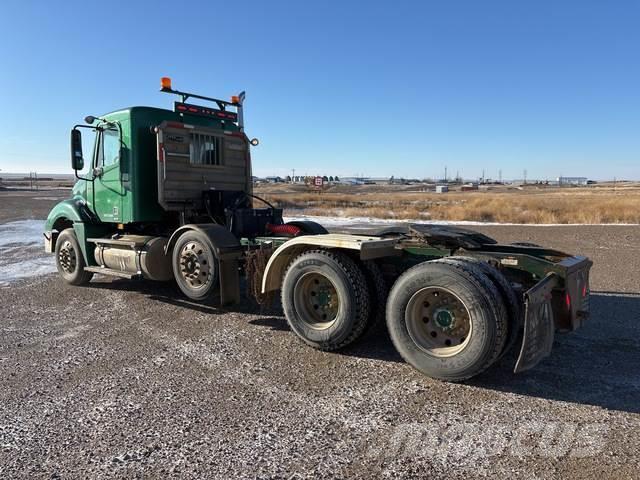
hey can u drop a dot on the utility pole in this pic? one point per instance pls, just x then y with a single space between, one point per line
445 174
500 176
482 176
293 175
525 176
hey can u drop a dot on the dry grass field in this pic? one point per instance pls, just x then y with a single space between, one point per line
532 204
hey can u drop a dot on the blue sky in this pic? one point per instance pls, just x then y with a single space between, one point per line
373 88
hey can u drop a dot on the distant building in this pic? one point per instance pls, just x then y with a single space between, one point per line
274 180
442 188
572 181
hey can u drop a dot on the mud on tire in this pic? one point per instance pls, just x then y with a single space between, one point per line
325 299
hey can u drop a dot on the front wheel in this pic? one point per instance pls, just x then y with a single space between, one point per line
442 321
69 259
194 265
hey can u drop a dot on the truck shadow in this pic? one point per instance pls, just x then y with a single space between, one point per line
169 293
597 365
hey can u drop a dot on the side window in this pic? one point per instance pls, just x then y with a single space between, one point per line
205 150
110 153
90 149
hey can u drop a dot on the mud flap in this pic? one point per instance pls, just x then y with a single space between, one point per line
229 281
539 326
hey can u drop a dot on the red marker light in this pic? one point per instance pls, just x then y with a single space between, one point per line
567 301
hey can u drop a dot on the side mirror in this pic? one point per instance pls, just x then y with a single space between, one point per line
77 162
254 141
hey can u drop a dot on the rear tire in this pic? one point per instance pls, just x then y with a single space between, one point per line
443 322
504 298
378 293
195 266
69 259
325 299
515 308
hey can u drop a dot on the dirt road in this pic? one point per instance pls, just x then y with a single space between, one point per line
129 379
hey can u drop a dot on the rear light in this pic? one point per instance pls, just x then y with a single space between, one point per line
161 152
567 300
585 290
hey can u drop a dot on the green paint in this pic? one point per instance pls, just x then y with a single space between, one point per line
444 319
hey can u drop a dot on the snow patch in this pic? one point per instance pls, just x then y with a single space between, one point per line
22 253
355 222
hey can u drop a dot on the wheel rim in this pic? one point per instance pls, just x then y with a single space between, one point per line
316 301
195 265
438 322
67 258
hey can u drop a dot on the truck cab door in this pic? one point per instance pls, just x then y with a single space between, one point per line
108 192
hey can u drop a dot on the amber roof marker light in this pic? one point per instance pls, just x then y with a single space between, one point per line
165 83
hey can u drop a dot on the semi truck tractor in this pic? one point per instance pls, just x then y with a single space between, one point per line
166 195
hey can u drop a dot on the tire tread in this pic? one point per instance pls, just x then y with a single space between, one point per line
359 291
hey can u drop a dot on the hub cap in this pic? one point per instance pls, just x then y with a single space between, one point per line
195 267
67 257
438 322
316 300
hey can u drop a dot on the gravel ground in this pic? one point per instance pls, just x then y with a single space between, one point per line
123 379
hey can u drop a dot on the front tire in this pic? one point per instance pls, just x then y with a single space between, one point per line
325 299
442 321
69 259
195 265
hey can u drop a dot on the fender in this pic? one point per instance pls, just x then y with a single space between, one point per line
367 247
222 241
227 250
71 213
73 210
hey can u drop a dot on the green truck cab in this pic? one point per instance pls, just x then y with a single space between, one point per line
167 196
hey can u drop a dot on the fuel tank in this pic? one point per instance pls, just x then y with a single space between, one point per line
137 254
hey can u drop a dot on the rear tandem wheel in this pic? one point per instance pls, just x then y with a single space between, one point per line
325 299
443 320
